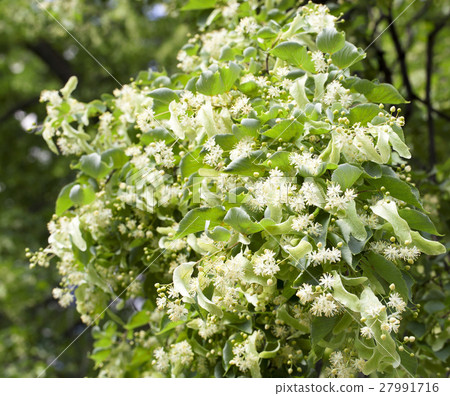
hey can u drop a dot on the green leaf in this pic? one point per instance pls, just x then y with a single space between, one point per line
418 221
137 320
181 278
219 234
352 224
299 251
63 202
426 246
346 175
434 306
378 92
389 272
388 212
347 56
363 113
82 195
247 127
398 189
372 169
285 130
164 95
284 315
280 160
329 40
246 166
270 353
297 91
240 220
199 5
114 158
218 82
321 327
295 54
347 299
207 304
70 86
191 163
343 324
92 165
195 220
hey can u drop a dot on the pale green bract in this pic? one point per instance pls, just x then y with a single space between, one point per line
243 214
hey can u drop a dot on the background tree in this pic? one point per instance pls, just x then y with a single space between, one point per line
128 36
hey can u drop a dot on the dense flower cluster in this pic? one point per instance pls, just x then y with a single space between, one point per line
247 215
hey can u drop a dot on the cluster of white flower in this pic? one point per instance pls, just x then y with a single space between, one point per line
241 107
325 255
344 366
335 200
247 25
180 354
394 252
145 119
305 224
305 161
324 304
162 154
265 264
243 357
242 149
318 17
215 152
320 64
336 92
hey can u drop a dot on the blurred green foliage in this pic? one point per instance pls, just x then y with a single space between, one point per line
126 36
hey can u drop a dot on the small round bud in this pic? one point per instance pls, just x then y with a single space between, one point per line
383 336
401 348
392 287
392 239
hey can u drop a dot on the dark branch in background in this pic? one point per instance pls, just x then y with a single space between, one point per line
401 54
428 89
57 64
20 106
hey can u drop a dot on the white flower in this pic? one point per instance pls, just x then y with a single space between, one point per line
323 255
162 359
305 293
162 154
242 149
300 223
327 281
247 25
181 352
396 302
392 253
367 332
144 119
215 153
241 107
265 264
323 305
305 161
319 62
177 312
